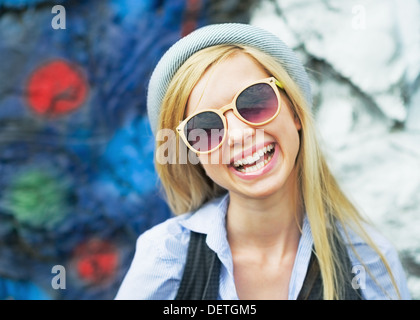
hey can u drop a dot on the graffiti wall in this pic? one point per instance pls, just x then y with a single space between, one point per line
77 182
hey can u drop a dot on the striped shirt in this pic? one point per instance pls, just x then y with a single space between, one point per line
159 260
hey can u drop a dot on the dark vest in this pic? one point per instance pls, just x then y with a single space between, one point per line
200 280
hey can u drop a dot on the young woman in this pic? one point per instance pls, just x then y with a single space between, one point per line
260 215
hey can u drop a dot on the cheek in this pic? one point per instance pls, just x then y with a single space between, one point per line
293 144
213 172
217 157
287 135
213 168
295 140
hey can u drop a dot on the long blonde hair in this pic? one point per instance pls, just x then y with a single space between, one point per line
187 187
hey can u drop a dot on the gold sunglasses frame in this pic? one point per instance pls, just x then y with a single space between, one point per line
273 82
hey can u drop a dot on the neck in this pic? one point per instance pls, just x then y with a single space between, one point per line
268 223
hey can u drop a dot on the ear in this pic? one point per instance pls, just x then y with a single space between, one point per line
297 122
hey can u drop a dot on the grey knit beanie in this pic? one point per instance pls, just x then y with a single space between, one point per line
215 34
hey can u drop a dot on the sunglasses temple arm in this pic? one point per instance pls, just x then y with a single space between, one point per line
278 83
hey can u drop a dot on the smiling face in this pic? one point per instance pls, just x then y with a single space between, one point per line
254 162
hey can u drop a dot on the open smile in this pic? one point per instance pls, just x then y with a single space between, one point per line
260 162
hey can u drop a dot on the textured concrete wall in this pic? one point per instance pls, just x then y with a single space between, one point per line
363 58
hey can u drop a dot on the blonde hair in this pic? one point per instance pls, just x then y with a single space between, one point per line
187 187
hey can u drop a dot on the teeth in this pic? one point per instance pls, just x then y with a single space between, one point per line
254 158
256 167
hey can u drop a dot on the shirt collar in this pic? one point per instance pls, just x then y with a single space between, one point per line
210 219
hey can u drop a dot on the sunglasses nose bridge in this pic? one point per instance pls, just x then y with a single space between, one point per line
231 107
227 107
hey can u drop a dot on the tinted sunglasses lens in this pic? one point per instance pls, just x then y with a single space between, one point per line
204 131
257 103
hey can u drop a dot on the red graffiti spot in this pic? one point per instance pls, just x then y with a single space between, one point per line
96 261
191 15
56 88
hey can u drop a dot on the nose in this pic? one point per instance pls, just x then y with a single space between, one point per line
238 131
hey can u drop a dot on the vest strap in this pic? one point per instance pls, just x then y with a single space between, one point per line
200 280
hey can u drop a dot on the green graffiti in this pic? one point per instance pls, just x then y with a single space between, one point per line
38 199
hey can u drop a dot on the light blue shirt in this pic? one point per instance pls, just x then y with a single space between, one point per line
158 264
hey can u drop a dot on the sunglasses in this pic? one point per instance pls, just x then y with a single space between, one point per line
256 104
